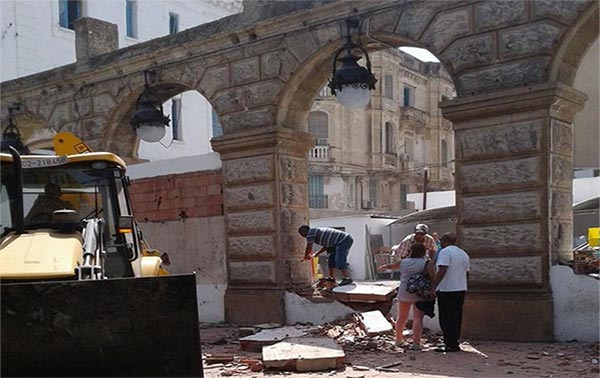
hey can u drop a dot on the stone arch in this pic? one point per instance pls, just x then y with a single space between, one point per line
574 45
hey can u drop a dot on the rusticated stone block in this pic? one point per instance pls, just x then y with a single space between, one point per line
192 73
263 93
250 222
446 28
501 76
528 40
562 171
92 128
229 100
562 204
499 140
251 169
470 52
564 10
561 234
502 207
292 244
61 114
415 17
82 107
245 71
302 45
506 270
255 272
292 219
214 78
494 14
328 34
295 170
294 194
384 22
297 272
250 196
251 246
280 63
103 104
562 137
518 172
248 119
500 238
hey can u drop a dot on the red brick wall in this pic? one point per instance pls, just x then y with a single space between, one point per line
177 196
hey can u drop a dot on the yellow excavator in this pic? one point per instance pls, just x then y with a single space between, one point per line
82 294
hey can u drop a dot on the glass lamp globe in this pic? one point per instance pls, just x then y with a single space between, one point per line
355 96
151 132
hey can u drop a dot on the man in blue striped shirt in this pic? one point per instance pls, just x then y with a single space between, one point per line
329 238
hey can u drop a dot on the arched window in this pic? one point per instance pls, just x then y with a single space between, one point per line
390 146
317 126
444 153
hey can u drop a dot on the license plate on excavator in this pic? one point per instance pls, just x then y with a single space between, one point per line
115 327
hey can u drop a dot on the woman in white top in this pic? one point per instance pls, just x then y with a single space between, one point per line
415 262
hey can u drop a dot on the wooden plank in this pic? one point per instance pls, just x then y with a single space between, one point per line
374 323
304 354
254 343
363 293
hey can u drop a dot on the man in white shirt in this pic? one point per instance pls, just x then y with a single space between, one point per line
450 287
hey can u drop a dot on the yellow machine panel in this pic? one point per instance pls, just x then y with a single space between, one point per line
40 254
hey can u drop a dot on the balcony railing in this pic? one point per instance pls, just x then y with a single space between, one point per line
413 114
319 153
318 201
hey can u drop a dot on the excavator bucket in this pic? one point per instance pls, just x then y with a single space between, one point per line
118 327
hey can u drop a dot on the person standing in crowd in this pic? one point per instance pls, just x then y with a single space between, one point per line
327 238
420 236
416 262
438 245
450 287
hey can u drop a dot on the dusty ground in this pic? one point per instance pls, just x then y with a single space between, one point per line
478 359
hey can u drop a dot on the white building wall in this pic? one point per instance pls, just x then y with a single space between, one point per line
33 41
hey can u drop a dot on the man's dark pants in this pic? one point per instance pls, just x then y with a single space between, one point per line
450 304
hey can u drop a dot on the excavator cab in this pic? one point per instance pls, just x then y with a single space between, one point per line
81 294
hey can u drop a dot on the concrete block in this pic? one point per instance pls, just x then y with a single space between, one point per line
252 169
360 292
374 323
293 169
266 337
280 63
294 194
561 137
263 93
229 100
304 354
562 204
291 219
302 310
561 171
214 78
563 10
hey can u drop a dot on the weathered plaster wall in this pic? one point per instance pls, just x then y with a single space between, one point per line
576 305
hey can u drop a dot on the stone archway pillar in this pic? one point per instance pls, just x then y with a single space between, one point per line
513 154
265 175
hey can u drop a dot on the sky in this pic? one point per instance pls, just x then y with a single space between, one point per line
421 54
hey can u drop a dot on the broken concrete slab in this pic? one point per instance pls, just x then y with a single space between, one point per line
302 310
374 323
364 293
254 343
304 354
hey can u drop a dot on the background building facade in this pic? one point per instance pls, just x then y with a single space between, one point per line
38 35
367 160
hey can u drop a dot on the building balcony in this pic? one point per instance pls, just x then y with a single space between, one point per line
319 153
318 201
413 115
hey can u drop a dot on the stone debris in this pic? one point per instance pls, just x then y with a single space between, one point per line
304 354
374 323
234 364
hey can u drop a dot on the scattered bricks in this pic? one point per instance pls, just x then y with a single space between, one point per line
218 358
